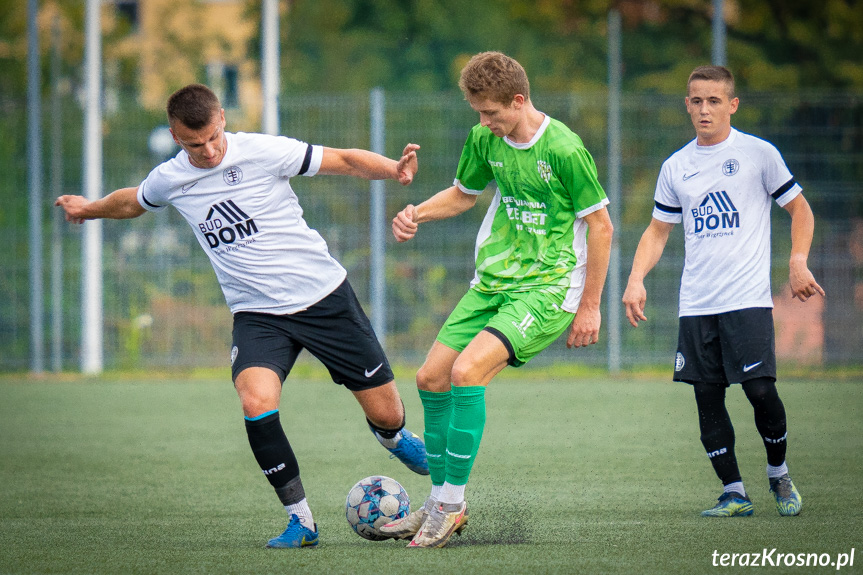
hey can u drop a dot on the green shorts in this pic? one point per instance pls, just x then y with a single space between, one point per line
530 321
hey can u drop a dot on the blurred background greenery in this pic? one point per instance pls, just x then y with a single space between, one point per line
799 73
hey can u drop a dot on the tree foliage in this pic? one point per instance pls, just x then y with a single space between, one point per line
336 45
347 45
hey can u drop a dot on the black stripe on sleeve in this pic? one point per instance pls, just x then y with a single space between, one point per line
146 201
783 188
668 209
306 161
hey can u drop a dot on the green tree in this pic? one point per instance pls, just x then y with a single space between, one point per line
337 45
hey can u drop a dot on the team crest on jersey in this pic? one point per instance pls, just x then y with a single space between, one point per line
233 175
544 170
730 167
679 362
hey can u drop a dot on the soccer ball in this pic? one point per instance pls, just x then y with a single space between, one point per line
373 502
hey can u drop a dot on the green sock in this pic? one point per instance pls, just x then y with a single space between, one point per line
465 432
437 408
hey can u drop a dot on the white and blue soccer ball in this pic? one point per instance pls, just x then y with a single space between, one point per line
374 502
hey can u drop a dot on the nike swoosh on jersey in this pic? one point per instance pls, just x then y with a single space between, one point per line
751 366
374 371
687 176
187 187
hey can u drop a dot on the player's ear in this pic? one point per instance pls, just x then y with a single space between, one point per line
734 103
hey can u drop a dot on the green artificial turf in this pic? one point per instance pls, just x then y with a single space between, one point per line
574 475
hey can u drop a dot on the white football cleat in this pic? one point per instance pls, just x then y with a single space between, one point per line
407 526
442 521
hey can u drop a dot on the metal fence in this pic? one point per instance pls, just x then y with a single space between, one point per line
163 306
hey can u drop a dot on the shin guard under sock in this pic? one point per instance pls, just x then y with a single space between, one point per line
717 433
275 456
465 432
769 417
437 409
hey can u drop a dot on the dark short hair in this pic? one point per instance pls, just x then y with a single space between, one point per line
193 106
495 76
715 74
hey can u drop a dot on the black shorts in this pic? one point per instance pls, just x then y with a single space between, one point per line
335 330
726 348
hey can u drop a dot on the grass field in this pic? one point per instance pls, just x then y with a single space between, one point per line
575 475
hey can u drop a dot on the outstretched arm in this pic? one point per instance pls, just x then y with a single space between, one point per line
803 284
445 204
118 205
649 250
584 330
369 165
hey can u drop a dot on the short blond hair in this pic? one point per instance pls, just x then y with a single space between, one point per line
495 76
714 74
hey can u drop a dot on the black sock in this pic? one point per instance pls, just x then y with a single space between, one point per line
769 417
275 456
717 433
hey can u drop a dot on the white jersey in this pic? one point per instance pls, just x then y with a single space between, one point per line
248 220
722 194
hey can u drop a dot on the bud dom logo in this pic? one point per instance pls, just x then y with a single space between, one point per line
717 210
239 225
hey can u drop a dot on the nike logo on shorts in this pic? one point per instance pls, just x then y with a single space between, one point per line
751 366
374 371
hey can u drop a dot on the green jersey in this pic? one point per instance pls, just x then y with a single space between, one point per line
533 235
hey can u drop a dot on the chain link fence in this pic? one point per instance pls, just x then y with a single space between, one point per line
164 308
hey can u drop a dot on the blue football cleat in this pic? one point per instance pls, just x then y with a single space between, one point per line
788 500
296 535
730 505
411 451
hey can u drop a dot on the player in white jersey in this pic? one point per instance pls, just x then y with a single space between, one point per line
721 186
286 292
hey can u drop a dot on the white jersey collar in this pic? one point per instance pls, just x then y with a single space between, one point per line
536 137
716 147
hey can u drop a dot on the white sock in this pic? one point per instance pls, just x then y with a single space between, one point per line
435 492
301 509
774 472
389 443
736 487
451 493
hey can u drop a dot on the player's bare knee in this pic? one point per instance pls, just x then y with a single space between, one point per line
382 406
430 378
465 373
254 408
385 415
259 390
255 401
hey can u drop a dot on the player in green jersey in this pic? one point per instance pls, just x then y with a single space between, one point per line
538 272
